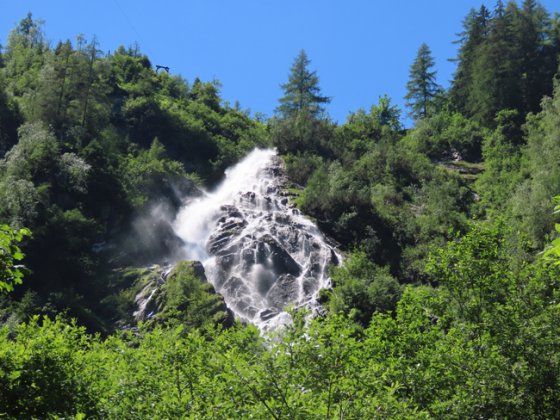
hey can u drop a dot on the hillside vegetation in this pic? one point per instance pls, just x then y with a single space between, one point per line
447 304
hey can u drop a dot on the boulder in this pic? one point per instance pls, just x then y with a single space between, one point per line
284 291
282 262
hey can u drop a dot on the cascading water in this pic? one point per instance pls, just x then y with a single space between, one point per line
259 252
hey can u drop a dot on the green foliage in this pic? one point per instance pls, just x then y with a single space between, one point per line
481 341
339 201
34 157
475 31
300 167
386 202
24 55
502 163
448 136
507 60
10 118
552 252
74 173
206 94
72 92
362 130
11 273
42 370
89 142
302 92
531 206
495 356
20 198
301 133
300 125
148 172
190 300
502 308
422 89
362 288
473 271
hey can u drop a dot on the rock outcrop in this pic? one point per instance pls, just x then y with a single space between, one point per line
260 253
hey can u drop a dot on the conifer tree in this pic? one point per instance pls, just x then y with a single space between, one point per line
539 59
301 124
422 87
52 98
506 60
474 34
495 70
302 92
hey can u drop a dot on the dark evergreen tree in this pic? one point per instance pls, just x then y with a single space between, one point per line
538 57
53 95
92 106
506 61
422 87
495 70
302 92
301 126
475 33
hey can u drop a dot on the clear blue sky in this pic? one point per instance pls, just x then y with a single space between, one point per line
361 49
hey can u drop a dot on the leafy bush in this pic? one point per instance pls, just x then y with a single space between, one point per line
361 288
11 273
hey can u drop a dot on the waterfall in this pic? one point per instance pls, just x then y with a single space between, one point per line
258 251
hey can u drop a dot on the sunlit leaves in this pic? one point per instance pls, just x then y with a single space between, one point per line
11 271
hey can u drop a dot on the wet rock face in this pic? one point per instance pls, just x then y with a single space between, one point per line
262 255
285 289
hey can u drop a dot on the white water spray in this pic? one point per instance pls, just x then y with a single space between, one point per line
258 251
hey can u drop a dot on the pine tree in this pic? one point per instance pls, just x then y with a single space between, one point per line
52 100
302 92
506 60
496 80
301 124
539 60
474 34
422 87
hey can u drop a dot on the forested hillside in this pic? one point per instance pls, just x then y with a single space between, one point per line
446 303
91 144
